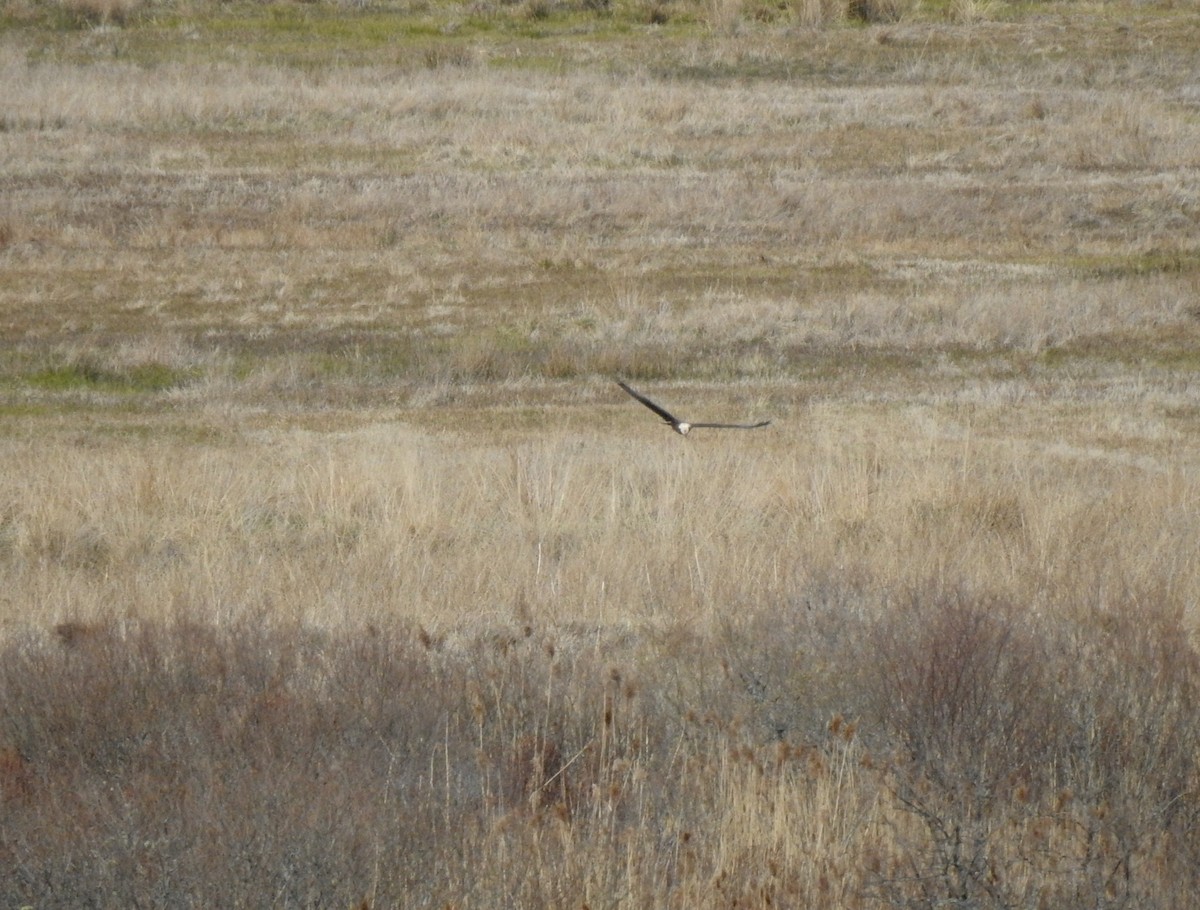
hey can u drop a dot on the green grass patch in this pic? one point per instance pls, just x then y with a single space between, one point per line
22 410
309 36
1137 265
143 378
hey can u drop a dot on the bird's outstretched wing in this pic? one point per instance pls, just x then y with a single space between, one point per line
681 426
657 409
733 426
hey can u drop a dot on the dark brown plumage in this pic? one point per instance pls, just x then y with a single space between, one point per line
682 427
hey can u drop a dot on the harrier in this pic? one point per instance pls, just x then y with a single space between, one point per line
682 426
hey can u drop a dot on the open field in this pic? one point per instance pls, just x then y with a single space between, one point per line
335 570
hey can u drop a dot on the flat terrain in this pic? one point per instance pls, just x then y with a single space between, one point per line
319 503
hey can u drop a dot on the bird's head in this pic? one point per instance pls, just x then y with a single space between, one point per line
682 427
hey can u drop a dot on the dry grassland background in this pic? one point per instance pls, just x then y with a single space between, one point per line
336 571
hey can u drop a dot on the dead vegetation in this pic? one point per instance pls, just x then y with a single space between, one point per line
986 756
337 571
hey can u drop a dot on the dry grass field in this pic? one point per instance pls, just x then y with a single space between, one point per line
336 571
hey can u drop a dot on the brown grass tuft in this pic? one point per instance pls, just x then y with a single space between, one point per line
102 12
877 11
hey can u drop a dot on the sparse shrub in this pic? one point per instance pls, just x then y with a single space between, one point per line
967 11
1012 735
961 694
724 16
818 13
101 12
876 11
539 9
658 13
959 682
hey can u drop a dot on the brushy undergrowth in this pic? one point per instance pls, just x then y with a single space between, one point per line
947 750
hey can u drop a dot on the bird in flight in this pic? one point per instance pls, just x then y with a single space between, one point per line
682 426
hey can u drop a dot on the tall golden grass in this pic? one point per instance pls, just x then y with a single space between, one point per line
585 526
